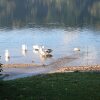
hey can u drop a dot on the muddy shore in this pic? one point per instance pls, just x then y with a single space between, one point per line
14 71
19 65
59 69
87 68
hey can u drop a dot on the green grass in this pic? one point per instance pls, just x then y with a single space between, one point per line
65 86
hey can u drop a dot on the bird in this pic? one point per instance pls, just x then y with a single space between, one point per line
37 47
42 50
76 49
7 55
48 50
45 52
24 47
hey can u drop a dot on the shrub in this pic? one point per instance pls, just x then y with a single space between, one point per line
1 67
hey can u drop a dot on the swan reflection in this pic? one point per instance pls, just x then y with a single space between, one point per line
45 58
7 59
24 52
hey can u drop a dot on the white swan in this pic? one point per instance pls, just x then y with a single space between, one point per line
24 52
37 47
76 49
7 55
24 47
48 50
44 52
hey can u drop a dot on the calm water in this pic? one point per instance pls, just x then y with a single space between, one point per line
60 25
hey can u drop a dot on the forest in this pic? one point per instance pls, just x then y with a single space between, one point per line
19 13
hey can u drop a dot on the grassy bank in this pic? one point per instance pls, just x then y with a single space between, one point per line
65 86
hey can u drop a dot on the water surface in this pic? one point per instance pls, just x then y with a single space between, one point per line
61 25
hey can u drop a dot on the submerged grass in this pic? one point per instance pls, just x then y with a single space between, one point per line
59 86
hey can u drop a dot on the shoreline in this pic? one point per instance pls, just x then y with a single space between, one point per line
86 68
19 65
59 69
15 71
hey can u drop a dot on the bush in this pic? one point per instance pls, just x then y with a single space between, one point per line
1 67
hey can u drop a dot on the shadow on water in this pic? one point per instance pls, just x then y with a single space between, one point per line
61 62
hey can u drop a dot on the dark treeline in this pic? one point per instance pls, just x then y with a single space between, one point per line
18 13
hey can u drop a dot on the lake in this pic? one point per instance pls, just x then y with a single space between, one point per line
61 25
